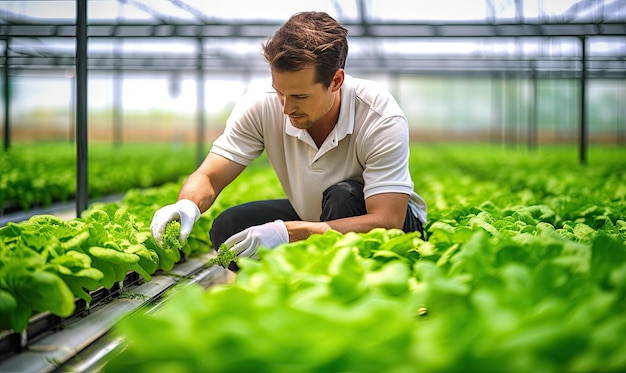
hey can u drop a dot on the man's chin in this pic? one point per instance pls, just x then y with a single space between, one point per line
300 123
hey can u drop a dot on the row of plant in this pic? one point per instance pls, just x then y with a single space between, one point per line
386 301
38 175
46 263
524 270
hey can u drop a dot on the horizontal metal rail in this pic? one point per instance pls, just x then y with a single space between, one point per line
233 29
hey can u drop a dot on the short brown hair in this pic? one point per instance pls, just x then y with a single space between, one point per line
309 38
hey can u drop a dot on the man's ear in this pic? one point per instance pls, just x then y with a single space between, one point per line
337 81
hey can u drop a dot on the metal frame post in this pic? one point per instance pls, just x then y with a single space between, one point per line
7 97
200 121
584 133
82 186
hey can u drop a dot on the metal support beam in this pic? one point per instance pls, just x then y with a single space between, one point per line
200 122
7 97
621 115
72 106
16 27
495 94
82 185
533 116
118 93
584 133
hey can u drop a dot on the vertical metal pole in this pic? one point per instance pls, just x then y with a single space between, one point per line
512 115
81 107
621 127
516 123
7 98
118 81
494 116
72 114
519 10
117 107
200 122
505 117
532 113
583 141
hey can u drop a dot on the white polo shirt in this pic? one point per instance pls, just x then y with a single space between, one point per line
369 144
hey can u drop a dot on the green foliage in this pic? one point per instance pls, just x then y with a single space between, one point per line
224 257
169 252
494 305
47 262
171 236
30 177
523 270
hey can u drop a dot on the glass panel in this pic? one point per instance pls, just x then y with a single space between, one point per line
198 11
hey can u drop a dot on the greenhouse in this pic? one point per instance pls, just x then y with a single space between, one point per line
150 219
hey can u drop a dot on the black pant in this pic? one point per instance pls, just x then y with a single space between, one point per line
341 200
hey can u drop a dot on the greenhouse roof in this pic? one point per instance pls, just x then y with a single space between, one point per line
445 36
351 11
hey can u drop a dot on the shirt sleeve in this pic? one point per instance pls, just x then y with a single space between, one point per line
385 151
242 139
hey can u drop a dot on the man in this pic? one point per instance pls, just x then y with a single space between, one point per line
339 145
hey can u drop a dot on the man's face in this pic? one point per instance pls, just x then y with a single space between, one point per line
303 100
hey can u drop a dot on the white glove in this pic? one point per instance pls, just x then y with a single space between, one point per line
247 242
184 210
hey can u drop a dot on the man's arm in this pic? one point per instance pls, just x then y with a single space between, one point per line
196 196
204 185
386 210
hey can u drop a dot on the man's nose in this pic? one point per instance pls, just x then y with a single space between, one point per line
288 106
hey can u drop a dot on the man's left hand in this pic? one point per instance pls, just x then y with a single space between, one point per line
247 242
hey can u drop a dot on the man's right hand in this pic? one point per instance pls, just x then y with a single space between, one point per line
184 210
